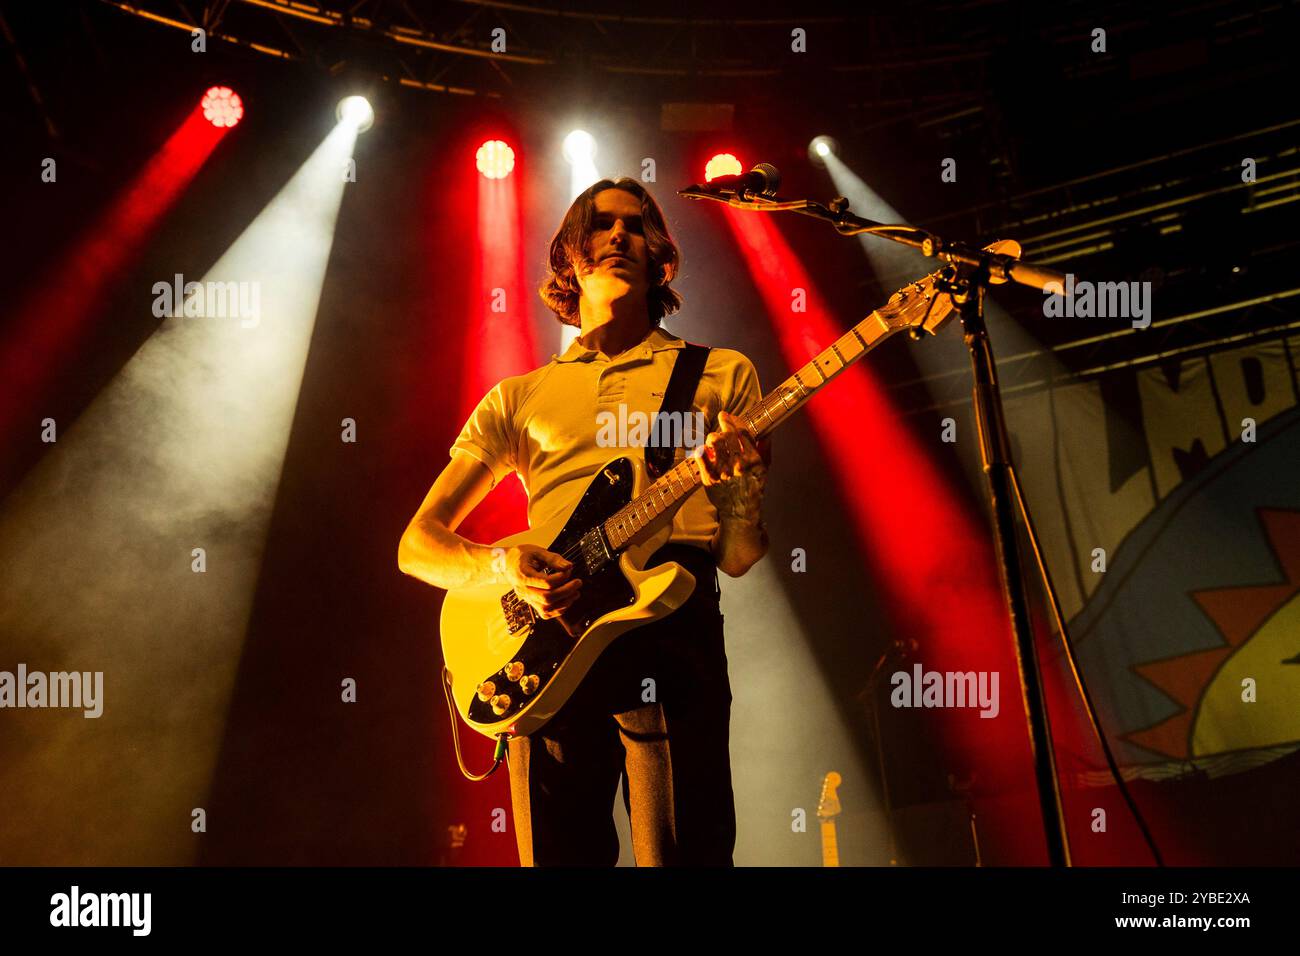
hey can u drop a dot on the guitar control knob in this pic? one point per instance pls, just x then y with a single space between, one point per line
486 690
515 670
529 684
500 704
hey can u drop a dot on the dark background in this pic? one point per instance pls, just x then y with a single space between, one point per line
1010 90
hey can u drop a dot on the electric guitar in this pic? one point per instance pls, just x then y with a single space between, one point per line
828 808
509 669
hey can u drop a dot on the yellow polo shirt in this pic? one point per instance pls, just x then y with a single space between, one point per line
547 425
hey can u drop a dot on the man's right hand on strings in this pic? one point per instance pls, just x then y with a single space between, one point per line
541 578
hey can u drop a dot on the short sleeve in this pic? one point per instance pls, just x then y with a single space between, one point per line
487 435
745 393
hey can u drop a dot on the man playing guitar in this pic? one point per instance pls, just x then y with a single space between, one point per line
655 707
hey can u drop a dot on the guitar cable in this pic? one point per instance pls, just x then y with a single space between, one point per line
498 755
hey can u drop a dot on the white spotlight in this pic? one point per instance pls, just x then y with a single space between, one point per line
579 147
580 151
822 147
357 111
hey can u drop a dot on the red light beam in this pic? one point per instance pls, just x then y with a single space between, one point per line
942 584
48 324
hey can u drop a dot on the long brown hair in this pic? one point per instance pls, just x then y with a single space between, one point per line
560 291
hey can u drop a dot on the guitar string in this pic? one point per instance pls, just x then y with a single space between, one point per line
765 406
649 496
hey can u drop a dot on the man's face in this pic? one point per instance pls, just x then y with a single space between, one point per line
617 247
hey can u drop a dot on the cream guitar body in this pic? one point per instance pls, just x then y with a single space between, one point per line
510 669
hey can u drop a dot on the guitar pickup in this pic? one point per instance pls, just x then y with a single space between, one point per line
594 550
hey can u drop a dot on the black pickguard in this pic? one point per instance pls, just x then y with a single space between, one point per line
604 589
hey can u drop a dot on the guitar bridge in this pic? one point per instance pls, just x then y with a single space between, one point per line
518 613
593 554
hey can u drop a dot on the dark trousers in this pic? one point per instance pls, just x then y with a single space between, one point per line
673 750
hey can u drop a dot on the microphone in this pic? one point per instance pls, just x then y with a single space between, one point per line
763 179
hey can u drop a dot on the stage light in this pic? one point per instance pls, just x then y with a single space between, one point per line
205 407
580 153
723 164
357 111
500 338
46 327
495 159
820 148
222 106
579 147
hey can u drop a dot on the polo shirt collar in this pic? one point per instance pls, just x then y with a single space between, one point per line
657 340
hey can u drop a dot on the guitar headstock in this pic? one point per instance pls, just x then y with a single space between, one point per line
921 306
829 804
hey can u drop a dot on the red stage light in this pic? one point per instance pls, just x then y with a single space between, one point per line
57 315
723 164
495 159
222 106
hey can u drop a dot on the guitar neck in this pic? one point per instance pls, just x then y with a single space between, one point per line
776 407
830 846
781 402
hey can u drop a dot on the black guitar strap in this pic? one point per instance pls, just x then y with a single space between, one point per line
688 367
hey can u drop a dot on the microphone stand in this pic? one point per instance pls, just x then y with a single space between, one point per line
973 270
